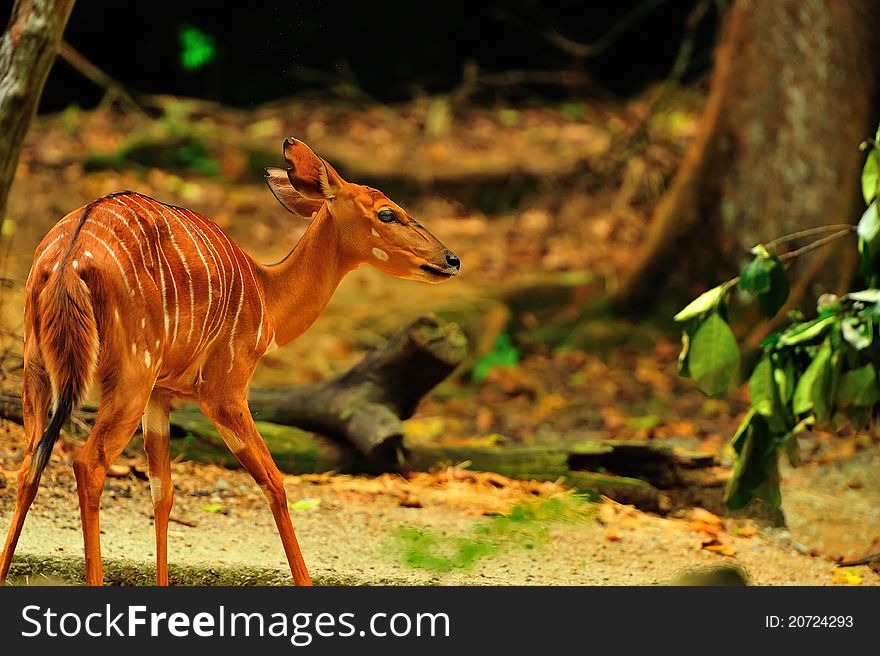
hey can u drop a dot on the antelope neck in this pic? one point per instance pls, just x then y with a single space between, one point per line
299 287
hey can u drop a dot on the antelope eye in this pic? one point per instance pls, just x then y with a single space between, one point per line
387 216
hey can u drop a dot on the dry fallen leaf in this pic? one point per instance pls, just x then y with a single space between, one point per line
704 527
846 576
613 535
703 515
722 549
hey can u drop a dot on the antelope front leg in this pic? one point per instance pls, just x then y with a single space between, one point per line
235 424
156 444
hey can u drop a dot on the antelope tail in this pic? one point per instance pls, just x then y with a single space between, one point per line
68 336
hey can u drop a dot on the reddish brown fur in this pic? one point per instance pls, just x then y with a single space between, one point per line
157 303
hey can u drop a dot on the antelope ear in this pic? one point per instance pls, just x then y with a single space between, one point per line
290 198
311 176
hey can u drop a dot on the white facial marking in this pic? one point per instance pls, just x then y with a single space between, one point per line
379 254
75 265
374 233
88 254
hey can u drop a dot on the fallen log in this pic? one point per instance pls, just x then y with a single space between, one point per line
363 408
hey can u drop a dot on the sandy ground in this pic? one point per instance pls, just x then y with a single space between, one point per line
347 531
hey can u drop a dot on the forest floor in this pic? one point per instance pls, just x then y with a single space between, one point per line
533 200
442 528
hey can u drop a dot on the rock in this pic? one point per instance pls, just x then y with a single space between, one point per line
410 501
222 485
726 575
119 471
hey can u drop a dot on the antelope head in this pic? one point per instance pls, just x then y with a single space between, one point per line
372 228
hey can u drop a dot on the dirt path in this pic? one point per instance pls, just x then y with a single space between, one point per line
349 531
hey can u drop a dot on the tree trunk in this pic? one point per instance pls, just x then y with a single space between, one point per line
792 96
27 51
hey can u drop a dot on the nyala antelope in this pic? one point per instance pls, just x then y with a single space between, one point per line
156 302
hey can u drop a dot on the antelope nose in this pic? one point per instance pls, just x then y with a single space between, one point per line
452 260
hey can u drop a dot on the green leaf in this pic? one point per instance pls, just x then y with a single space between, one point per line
683 366
705 302
714 356
756 470
755 276
762 388
870 175
858 387
765 278
856 333
865 296
736 442
790 442
805 391
213 508
869 224
783 376
771 301
805 332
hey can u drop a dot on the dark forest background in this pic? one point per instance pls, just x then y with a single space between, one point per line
389 50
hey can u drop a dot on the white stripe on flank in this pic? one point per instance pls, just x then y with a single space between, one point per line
161 251
113 255
137 240
210 231
128 254
183 222
154 242
183 262
209 334
237 315
259 291
136 222
46 250
162 291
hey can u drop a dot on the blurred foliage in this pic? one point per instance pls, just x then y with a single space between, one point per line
503 354
820 371
196 48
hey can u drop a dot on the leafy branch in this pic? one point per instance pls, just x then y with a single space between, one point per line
821 371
